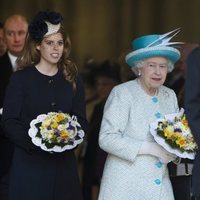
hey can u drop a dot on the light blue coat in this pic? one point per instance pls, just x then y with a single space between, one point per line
125 126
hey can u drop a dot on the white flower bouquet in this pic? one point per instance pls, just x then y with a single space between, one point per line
56 132
173 133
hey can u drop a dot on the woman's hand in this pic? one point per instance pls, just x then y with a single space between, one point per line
156 150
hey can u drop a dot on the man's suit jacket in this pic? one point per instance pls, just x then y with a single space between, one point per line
192 108
6 148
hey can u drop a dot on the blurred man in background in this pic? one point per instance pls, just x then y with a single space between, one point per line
2 41
15 31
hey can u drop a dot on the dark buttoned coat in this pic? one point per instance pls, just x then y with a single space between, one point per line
37 174
6 147
192 106
5 73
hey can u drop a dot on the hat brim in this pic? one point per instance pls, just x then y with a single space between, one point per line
168 52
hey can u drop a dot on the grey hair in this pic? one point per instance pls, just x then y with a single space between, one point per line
140 63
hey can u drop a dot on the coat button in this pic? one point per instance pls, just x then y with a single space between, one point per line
159 164
157 181
158 115
155 99
53 104
50 81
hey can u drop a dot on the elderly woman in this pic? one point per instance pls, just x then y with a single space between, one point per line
136 166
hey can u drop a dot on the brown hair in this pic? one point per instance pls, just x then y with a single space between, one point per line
31 56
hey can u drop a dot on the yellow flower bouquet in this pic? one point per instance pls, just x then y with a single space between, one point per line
173 133
56 132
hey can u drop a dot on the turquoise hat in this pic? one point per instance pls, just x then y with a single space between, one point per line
152 46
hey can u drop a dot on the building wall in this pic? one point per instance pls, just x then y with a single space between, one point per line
104 29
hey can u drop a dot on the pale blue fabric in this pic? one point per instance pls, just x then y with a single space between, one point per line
125 126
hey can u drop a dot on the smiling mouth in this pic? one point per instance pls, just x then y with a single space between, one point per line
55 55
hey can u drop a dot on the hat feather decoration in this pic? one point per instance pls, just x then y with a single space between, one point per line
154 45
164 39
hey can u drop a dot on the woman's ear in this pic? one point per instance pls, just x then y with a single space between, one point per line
139 72
38 47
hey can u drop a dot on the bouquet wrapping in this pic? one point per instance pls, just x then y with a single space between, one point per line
173 134
1 111
56 132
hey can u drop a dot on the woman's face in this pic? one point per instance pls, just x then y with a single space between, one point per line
153 73
51 48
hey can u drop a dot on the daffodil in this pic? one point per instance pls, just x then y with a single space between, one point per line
177 133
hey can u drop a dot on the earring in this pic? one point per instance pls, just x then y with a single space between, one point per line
139 73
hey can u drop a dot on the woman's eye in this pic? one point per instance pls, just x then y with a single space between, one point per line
50 43
60 43
163 66
152 65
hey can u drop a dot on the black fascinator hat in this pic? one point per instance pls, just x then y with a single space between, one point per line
44 24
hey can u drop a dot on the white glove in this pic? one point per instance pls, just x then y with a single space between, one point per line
156 150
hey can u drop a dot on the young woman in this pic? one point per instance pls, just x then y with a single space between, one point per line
46 82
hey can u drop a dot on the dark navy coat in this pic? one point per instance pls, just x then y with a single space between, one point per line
37 174
6 147
192 106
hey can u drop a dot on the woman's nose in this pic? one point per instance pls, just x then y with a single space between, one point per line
55 46
157 69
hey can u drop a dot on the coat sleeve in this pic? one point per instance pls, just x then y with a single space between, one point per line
79 108
175 102
11 120
115 119
192 93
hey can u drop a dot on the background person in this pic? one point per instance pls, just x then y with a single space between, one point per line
3 46
15 31
106 77
192 108
176 79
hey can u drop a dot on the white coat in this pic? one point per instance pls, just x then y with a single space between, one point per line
125 126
